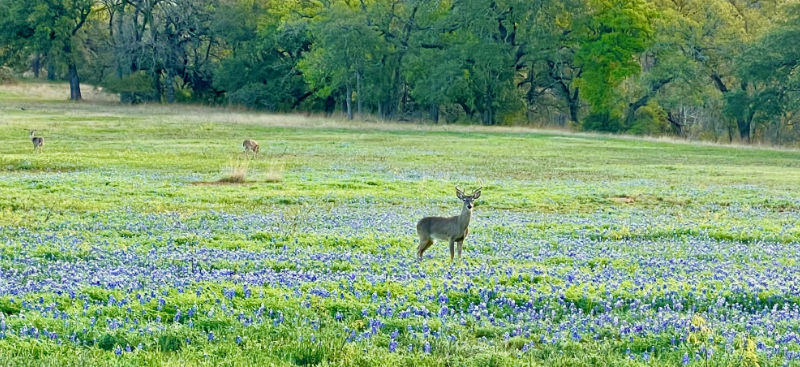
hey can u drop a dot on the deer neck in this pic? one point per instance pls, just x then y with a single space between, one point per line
463 219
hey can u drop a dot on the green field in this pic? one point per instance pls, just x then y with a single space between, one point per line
118 245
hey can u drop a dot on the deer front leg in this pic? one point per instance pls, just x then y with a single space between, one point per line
460 246
452 249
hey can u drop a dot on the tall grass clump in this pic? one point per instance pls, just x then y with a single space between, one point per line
236 171
274 171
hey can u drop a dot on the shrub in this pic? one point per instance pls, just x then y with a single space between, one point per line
6 75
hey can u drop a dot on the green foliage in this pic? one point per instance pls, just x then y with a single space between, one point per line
6 75
692 68
170 343
772 72
650 120
615 32
135 83
261 71
108 342
602 121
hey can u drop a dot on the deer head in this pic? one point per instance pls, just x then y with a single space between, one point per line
468 199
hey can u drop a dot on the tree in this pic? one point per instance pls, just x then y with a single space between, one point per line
670 75
772 73
547 59
482 51
721 31
265 48
613 34
50 26
344 51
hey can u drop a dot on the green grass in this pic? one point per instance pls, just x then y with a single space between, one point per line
575 204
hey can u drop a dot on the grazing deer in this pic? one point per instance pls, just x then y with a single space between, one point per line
452 229
38 141
250 145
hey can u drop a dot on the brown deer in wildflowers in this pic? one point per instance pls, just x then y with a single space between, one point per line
452 229
38 141
250 145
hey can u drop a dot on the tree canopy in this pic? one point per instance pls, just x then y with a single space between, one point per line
710 69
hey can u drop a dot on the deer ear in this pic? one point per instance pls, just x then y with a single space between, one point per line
459 193
476 194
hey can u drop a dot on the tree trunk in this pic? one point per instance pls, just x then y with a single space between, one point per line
434 111
157 88
358 94
573 101
349 101
573 110
37 65
51 71
744 129
742 123
123 63
489 114
730 133
170 84
330 106
676 123
74 83
745 125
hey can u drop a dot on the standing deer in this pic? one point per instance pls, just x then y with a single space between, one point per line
38 141
250 145
452 229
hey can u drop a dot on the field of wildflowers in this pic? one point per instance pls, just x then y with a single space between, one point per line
118 245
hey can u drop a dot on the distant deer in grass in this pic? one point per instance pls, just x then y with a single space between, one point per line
250 145
452 229
38 141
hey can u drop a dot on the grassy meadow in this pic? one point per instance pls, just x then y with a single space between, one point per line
121 245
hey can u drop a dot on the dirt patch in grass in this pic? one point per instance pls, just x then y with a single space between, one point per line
623 199
220 182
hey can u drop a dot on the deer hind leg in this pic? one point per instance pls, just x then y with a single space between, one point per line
424 243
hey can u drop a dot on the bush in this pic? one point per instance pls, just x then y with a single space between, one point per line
650 120
6 75
253 95
451 113
602 121
135 88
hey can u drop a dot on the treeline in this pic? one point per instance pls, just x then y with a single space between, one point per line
709 69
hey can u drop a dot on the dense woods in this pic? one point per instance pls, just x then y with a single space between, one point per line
721 70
